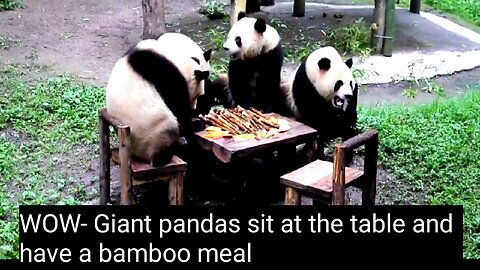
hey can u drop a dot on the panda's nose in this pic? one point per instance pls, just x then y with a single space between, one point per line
348 96
225 48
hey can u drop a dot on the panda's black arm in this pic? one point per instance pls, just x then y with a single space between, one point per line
269 85
239 83
351 114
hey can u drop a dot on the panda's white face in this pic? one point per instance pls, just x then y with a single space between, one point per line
343 94
249 37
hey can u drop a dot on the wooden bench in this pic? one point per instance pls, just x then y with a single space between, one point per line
326 181
134 172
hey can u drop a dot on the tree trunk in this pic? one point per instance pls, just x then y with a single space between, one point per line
378 26
153 18
415 6
235 7
299 8
267 3
252 6
390 26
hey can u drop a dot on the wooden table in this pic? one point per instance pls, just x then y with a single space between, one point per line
226 150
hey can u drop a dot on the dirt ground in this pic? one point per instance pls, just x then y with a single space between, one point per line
86 37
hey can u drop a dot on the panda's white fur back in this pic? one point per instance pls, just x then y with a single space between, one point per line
173 41
286 89
324 81
184 63
174 44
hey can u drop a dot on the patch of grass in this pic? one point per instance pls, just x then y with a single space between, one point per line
6 43
10 4
435 148
214 9
38 124
468 10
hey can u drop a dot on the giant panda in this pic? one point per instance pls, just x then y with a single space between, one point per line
322 93
254 69
153 91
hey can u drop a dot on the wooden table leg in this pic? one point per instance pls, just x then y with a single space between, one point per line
175 189
287 156
292 197
104 177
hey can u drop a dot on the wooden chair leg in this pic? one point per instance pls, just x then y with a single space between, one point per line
105 155
126 192
369 189
175 189
292 197
338 195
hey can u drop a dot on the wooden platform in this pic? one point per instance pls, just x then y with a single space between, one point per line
143 170
316 177
225 149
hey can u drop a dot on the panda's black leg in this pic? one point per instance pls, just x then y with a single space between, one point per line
163 158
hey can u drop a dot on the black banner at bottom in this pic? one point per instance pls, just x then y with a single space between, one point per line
243 236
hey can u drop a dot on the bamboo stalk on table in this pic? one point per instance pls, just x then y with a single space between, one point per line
232 122
222 120
257 120
238 122
215 122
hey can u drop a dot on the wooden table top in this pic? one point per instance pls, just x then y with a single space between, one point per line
225 149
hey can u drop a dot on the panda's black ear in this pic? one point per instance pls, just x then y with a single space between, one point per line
241 15
324 64
349 62
207 54
260 25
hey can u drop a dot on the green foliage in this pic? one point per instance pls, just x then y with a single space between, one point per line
353 39
214 9
468 10
39 123
277 23
10 4
217 35
218 68
436 149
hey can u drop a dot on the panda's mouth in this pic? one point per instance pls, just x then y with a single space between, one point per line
234 56
338 102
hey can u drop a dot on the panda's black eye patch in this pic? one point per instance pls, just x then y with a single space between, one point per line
238 41
338 84
201 75
196 60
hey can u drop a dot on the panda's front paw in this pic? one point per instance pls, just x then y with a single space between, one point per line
198 125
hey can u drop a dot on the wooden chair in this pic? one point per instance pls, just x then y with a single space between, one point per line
326 181
133 172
